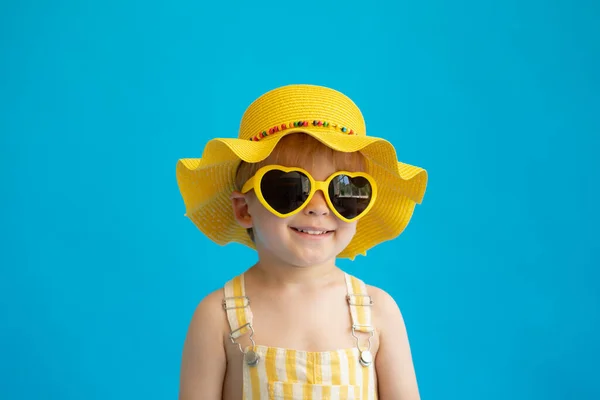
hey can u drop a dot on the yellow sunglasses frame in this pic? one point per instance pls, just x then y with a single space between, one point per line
323 186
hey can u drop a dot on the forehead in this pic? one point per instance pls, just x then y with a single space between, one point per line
301 150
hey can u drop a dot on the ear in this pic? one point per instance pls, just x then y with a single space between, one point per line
240 210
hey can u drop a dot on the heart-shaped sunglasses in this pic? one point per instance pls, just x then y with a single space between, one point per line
285 191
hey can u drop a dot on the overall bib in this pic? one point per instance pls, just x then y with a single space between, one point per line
271 373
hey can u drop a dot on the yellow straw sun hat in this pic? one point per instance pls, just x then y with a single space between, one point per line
330 117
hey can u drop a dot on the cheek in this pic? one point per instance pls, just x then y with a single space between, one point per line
348 228
269 230
261 217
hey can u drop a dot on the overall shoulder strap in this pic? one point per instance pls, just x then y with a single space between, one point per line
237 306
360 304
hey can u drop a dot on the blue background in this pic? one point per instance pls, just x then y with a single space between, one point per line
497 274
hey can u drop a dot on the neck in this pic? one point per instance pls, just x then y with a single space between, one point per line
281 275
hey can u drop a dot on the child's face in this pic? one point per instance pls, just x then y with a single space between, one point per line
281 240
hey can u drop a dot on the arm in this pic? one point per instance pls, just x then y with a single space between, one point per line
203 361
395 371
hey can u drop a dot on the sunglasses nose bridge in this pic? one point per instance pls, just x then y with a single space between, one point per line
318 203
322 187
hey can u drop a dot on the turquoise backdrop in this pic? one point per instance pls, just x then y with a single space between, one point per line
497 274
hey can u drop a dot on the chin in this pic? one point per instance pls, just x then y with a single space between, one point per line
305 259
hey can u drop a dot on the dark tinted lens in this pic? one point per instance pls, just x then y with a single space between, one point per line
285 192
350 196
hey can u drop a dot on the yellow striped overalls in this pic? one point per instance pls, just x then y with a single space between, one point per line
280 374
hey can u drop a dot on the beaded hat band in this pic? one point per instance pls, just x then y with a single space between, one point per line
300 124
330 117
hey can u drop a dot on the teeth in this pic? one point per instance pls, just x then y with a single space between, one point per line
311 232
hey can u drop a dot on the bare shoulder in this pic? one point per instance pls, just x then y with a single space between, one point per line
380 295
208 319
395 370
204 342
210 309
385 310
387 316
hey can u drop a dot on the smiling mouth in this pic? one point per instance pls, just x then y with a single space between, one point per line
311 231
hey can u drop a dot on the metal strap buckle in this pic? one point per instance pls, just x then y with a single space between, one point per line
234 298
233 338
352 301
370 331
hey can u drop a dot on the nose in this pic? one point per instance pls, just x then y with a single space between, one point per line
317 205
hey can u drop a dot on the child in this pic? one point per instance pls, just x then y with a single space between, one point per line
302 185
